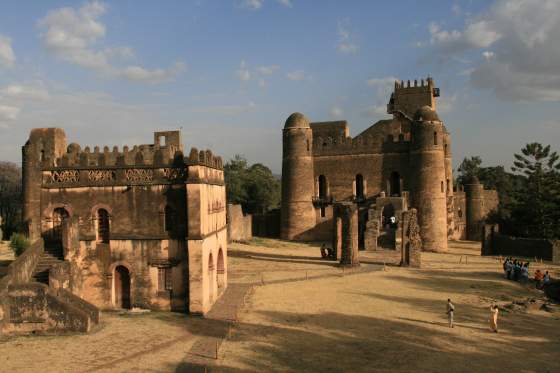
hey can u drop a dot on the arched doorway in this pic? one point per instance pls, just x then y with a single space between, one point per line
386 238
103 229
210 278
58 217
122 287
359 186
221 272
395 184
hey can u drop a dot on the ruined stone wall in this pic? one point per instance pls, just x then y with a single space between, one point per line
495 243
240 226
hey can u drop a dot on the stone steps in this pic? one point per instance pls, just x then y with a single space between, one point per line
41 272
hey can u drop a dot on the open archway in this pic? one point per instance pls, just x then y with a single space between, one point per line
121 279
103 228
221 272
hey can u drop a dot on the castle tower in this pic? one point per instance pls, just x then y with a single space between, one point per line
449 182
298 213
407 98
475 209
42 148
428 164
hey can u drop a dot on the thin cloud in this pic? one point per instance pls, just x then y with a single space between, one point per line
71 34
345 44
7 55
298 75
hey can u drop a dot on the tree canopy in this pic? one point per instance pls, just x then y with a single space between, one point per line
254 187
10 198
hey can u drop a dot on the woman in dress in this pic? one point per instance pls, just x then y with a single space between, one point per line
494 318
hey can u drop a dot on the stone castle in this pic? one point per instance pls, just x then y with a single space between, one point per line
395 164
138 227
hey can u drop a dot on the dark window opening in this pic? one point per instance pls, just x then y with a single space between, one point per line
103 228
359 186
435 138
442 190
448 189
395 184
460 213
322 187
323 212
307 145
165 281
42 156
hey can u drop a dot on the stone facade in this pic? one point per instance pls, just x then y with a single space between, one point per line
142 226
407 156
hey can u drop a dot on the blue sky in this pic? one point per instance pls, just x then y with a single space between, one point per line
230 72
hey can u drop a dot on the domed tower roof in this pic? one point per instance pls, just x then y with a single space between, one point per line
296 120
474 180
426 114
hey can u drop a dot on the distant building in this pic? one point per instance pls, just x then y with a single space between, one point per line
141 226
405 160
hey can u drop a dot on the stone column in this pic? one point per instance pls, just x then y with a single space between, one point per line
346 234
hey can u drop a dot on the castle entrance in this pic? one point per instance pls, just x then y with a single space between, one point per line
122 287
387 233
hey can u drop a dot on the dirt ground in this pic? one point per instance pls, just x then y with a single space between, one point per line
306 315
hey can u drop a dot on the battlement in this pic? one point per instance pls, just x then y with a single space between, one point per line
360 145
409 97
167 150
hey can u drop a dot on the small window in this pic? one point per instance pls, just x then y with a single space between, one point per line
460 212
448 189
322 187
161 141
307 145
442 190
164 279
435 138
323 212
42 156
103 229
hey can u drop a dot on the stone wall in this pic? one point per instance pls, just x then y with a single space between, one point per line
411 243
495 243
240 226
267 224
33 308
21 270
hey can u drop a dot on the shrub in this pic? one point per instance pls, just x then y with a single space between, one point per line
18 243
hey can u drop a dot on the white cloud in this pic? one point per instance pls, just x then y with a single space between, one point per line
267 70
243 72
335 112
252 4
346 44
24 92
375 110
7 55
524 63
298 75
8 113
286 3
72 34
383 88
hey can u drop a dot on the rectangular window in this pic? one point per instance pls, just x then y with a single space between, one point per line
164 279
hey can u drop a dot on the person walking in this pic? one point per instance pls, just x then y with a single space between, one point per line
494 318
450 310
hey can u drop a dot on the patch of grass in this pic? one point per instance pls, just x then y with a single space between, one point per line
18 243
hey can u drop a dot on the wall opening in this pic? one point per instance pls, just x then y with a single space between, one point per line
221 272
103 228
395 184
59 215
322 187
42 156
122 287
161 141
435 138
323 211
165 280
359 186
448 185
210 278
442 188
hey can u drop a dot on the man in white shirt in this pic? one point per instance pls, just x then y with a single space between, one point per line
450 310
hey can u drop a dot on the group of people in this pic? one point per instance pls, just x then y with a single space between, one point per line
517 270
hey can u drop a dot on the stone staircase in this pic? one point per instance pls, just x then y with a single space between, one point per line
53 255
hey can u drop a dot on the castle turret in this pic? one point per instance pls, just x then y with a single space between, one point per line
475 209
43 147
407 99
429 196
298 213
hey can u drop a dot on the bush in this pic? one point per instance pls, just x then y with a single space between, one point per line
18 243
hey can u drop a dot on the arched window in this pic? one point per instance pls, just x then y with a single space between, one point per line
59 215
169 219
442 189
448 185
359 186
322 187
221 271
103 229
395 184
435 138
211 278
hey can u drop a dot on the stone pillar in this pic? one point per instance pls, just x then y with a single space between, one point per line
411 243
346 233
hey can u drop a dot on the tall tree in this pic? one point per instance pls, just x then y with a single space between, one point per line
469 168
10 198
539 202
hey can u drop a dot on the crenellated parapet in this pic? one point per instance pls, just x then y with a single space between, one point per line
360 145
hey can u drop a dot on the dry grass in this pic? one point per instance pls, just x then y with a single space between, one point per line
381 320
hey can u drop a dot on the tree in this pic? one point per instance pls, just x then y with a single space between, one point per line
469 168
254 187
538 204
10 198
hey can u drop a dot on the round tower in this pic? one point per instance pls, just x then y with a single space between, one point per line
297 213
475 209
449 182
429 177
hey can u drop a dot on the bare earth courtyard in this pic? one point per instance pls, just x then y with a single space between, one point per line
306 314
